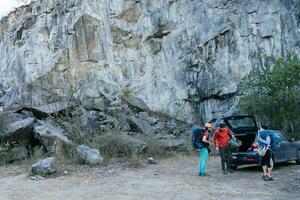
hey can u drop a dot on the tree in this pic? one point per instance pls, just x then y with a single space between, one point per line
273 93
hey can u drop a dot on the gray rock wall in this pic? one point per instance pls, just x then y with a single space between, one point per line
184 58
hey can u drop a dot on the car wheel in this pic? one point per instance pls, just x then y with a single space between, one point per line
234 167
298 158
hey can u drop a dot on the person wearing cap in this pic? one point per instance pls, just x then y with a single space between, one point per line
204 150
221 142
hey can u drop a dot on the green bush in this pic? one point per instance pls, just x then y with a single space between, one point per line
272 93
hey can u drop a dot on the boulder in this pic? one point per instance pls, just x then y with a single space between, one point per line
170 126
43 111
46 129
27 114
160 128
38 151
123 144
36 178
8 118
96 103
114 111
123 123
136 103
18 153
151 160
137 146
88 155
170 142
165 137
18 132
141 125
32 97
95 121
44 167
145 116
51 137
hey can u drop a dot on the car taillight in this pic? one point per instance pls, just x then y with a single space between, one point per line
254 147
249 158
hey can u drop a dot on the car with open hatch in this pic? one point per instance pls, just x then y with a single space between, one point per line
245 129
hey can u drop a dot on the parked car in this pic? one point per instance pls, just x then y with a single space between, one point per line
245 128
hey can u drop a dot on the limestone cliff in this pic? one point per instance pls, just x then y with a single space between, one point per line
184 58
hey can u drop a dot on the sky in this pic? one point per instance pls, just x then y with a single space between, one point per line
8 5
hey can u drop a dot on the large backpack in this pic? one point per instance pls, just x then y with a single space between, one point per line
275 138
275 141
197 136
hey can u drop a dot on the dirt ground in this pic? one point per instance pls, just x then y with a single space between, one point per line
173 178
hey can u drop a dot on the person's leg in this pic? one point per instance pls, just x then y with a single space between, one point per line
222 155
265 170
228 158
270 170
268 165
264 165
204 155
199 165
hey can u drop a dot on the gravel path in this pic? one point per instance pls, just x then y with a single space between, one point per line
173 178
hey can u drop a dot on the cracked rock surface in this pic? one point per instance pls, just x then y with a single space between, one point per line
182 58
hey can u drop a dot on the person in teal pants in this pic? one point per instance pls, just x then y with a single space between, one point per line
204 150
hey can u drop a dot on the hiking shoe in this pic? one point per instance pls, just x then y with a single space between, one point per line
267 178
204 174
224 173
230 170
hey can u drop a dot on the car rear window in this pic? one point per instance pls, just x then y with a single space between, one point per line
241 122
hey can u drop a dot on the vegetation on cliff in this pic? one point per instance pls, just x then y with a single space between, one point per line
272 93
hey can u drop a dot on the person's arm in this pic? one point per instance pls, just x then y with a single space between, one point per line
230 133
215 140
204 139
267 141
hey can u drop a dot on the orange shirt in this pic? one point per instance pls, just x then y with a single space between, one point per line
222 137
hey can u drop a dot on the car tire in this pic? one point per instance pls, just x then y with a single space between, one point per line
298 158
234 167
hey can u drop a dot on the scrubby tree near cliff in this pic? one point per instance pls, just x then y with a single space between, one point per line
273 93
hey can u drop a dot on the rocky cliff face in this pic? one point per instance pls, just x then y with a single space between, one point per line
182 57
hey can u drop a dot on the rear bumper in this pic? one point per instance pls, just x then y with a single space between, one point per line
245 158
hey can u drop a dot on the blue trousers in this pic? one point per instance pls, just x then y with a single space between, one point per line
202 160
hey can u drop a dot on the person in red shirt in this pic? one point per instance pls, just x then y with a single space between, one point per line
221 142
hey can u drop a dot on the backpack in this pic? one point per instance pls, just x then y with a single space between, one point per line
197 136
275 141
275 138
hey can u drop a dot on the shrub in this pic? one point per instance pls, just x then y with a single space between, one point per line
273 93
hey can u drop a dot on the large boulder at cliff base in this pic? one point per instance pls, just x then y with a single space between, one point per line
88 155
44 167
